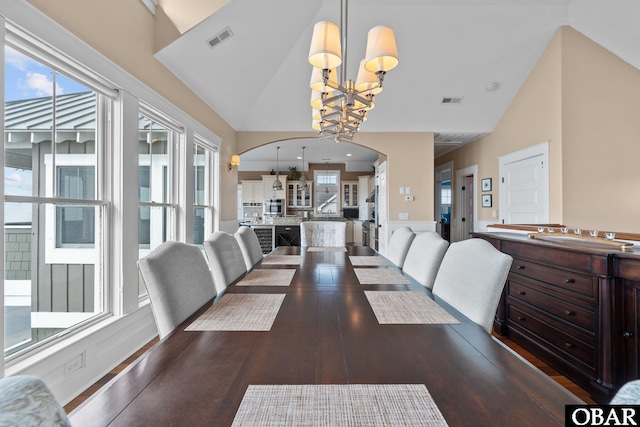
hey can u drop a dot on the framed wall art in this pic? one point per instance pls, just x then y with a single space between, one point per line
486 184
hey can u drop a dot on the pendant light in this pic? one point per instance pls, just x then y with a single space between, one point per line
304 185
277 185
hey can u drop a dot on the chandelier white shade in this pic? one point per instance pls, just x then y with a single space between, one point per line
325 50
340 106
382 53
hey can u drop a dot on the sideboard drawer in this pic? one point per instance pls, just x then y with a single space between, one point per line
581 317
526 319
566 280
550 256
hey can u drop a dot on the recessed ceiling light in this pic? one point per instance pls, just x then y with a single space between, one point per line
493 86
348 154
299 157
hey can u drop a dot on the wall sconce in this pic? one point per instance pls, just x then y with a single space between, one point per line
235 162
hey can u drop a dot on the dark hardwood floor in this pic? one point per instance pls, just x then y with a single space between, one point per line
555 375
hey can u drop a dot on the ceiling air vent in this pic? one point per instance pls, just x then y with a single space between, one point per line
219 38
452 100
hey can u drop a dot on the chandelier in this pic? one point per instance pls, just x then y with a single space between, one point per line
339 107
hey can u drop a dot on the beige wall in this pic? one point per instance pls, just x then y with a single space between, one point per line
586 102
532 117
409 157
124 31
601 137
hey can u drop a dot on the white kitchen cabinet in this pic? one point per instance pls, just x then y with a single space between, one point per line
269 192
363 185
297 197
349 194
252 191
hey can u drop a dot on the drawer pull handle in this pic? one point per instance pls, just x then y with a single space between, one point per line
520 318
520 267
569 312
627 334
522 293
568 345
569 281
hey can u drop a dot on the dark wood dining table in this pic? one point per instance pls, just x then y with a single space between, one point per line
326 333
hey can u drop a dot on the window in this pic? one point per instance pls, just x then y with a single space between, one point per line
445 193
56 125
157 143
327 192
203 209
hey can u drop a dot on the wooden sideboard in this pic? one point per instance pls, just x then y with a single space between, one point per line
575 306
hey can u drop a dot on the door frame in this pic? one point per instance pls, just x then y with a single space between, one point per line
516 156
437 180
460 173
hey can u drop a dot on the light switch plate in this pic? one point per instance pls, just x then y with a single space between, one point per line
404 215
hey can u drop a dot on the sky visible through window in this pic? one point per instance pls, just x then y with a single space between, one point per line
25 78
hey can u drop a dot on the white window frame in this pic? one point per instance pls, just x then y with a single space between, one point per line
106 101
170 160
53 254
209 161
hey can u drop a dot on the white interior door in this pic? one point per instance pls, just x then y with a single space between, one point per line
524 186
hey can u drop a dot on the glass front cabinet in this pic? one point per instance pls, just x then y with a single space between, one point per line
350 194
297 197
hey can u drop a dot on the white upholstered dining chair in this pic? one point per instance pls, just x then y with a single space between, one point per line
323 233
225 258
249 245
471 278
27 401
398 245
178 282
424 257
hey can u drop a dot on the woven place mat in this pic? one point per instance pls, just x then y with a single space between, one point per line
368 260
380 276
240 312
282 259
326 249
407 307
330 405
279 277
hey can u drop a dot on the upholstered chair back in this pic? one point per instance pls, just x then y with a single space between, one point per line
27 401
424 257
249 246
225 258
323 233
629 394
398 245
471 279
178 282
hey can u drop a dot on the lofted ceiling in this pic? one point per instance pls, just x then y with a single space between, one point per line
258 78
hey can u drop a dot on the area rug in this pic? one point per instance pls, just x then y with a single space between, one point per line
381 276
326 249
240 312
407 307
280 277
282 259
329 405
369 260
